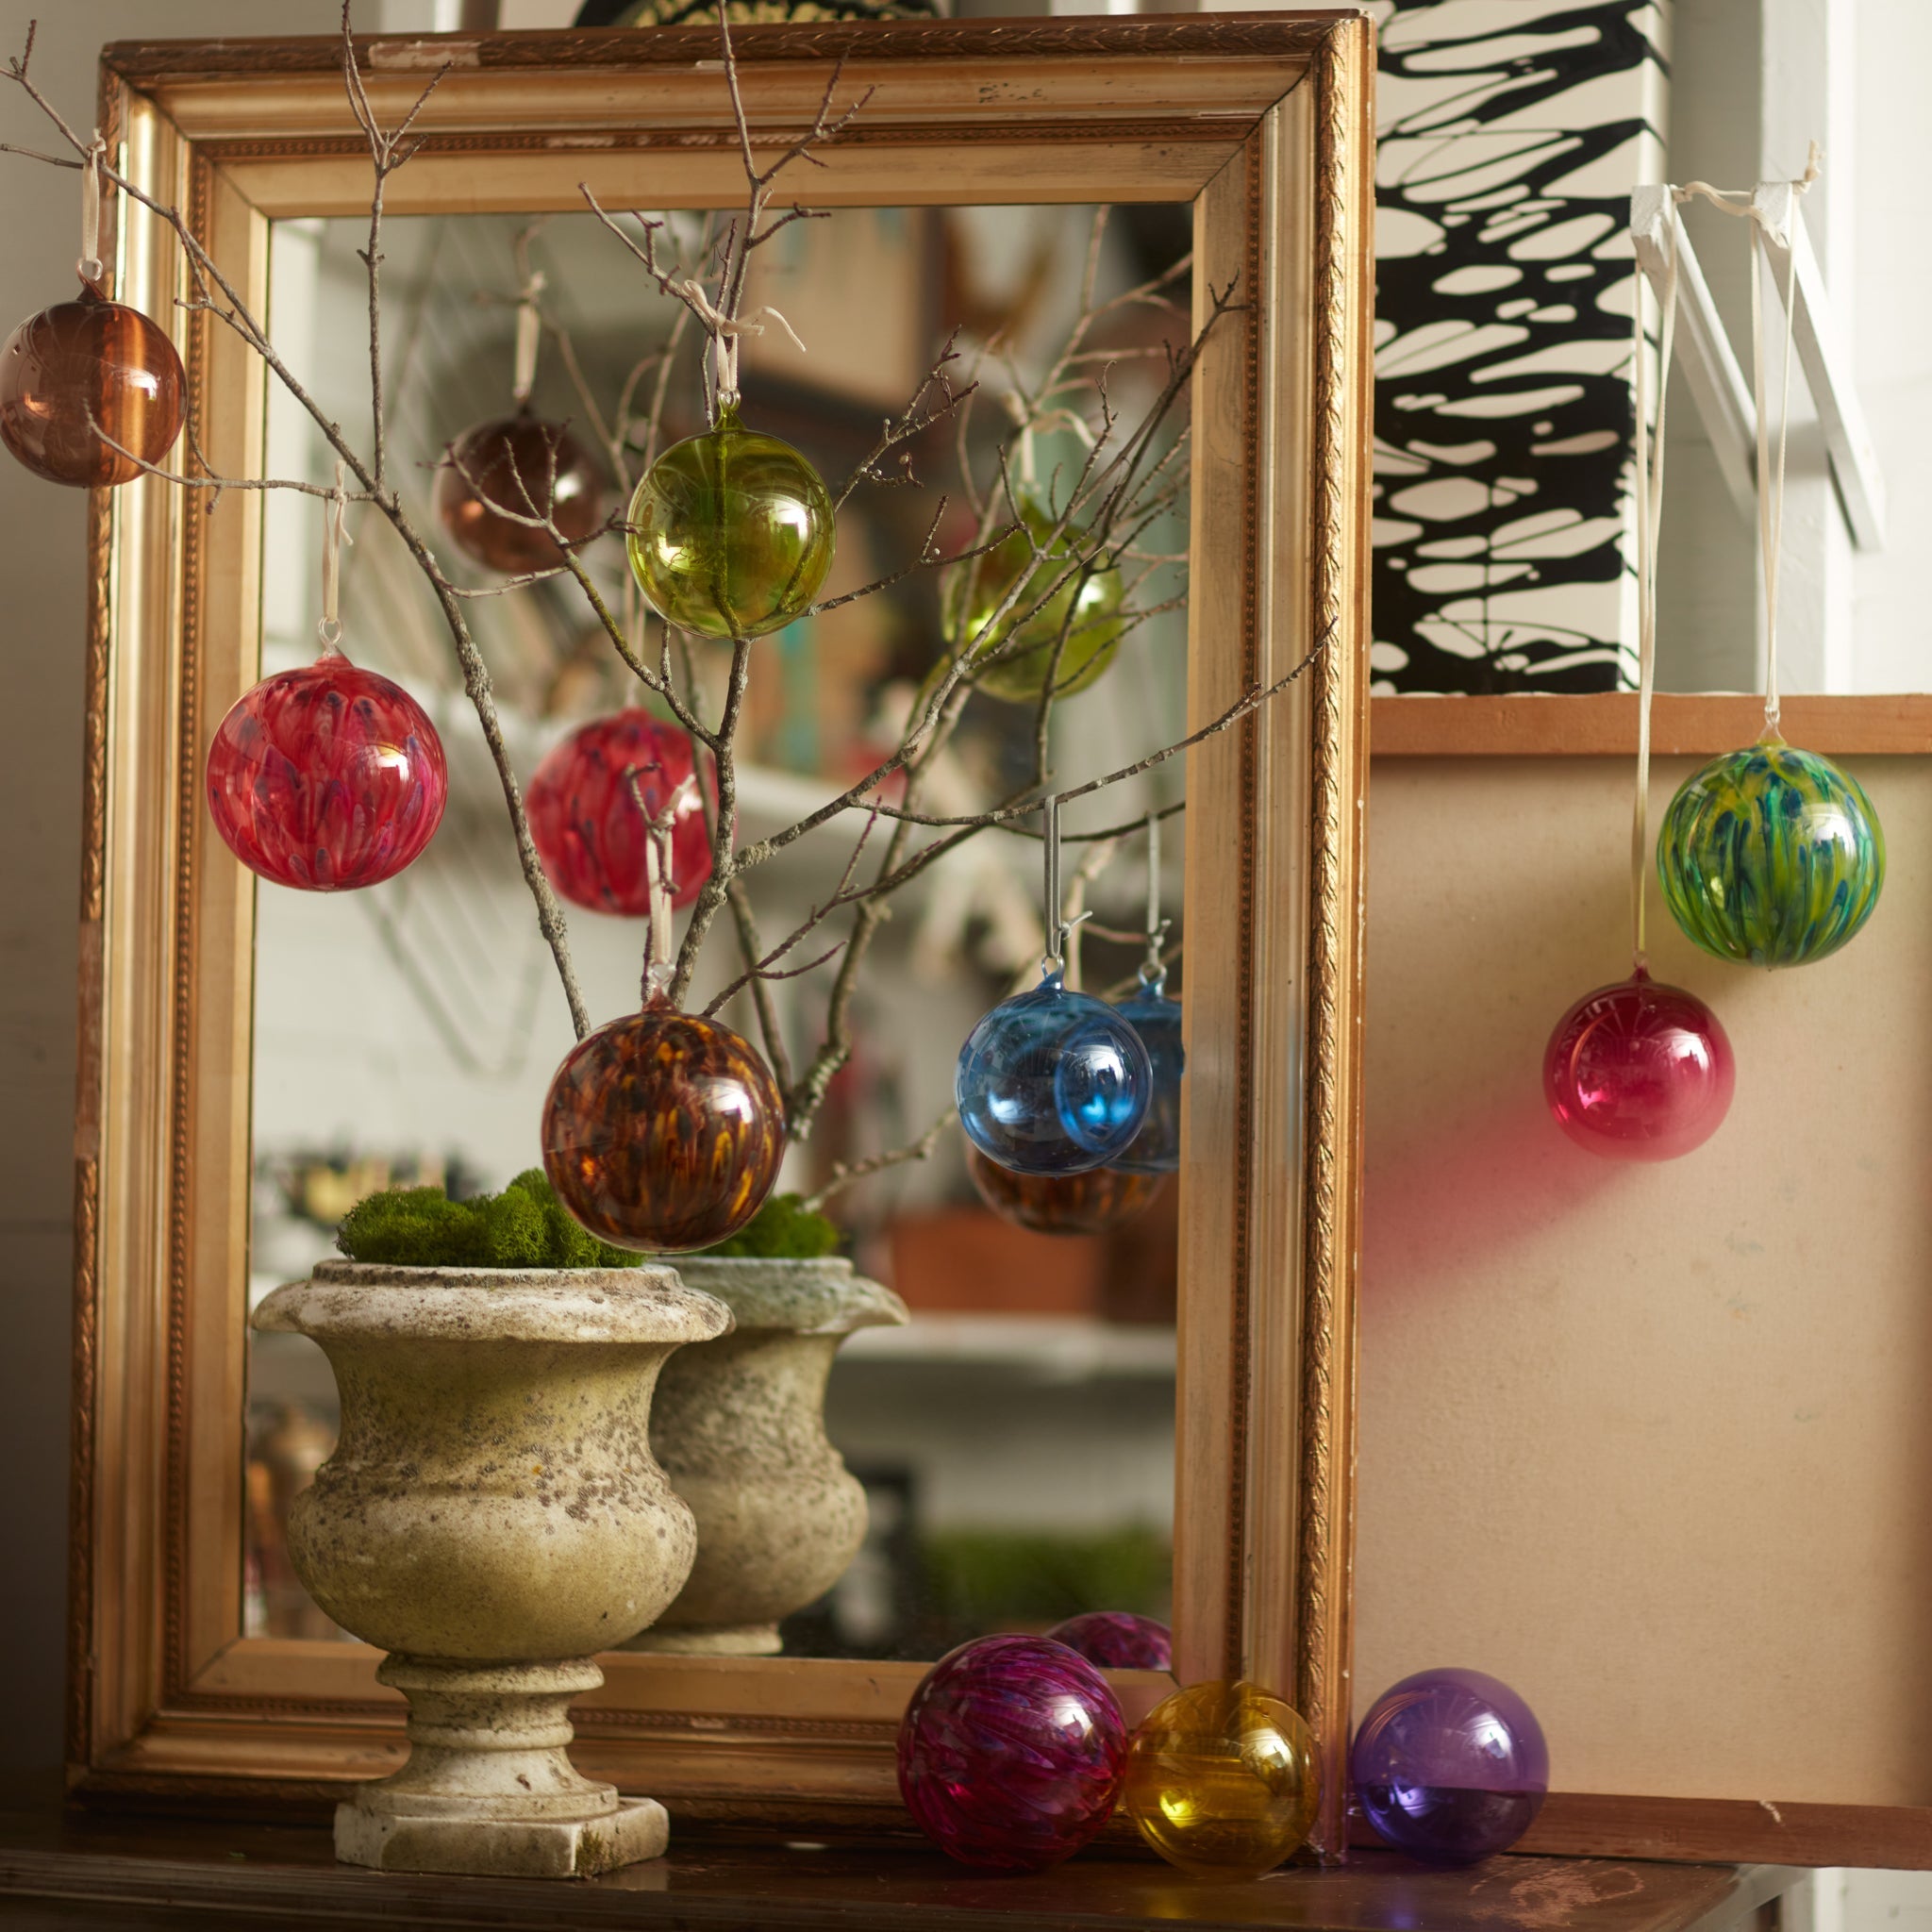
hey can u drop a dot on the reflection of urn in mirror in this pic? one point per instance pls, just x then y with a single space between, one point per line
740 1426
493 1516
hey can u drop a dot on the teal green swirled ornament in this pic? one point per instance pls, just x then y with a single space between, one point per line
1771 856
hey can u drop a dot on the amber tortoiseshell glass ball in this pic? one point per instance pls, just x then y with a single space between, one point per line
663 1131
1088 1203
491 467
82 368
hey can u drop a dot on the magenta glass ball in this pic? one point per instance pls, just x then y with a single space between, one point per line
1450 1766
1639 1071
326 779
1011 1753
584 816
1118 1640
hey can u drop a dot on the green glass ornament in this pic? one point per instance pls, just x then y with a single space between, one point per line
1771 856
1093 633
732 532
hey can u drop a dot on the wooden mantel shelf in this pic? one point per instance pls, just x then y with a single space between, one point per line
117 1873
1605 725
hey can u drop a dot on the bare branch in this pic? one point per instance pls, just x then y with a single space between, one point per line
845 1171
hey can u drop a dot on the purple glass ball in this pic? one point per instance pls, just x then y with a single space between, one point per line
1450 1766
1011 1753
1117 1640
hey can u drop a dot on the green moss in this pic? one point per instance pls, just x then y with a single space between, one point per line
784 1229
525 1227
992 1579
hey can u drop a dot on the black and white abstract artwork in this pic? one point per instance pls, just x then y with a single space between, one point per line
1512 132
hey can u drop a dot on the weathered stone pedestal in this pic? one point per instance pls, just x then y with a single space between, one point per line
493 1516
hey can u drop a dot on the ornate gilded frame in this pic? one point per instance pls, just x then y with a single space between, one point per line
1262 122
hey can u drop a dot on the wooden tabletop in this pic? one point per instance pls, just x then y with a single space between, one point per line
118 1872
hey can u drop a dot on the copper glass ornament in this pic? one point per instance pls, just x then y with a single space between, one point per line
81 369
1088 1203
492 468
663 1131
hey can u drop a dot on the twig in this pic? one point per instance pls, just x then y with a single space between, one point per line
845 1171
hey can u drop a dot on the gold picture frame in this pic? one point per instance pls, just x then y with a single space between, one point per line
1262 122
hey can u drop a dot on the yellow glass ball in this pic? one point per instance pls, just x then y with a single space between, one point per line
1223 1780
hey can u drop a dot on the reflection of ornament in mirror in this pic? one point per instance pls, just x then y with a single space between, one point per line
490 471
663 1131
732 532
584 817
1010 1753
1156 1148
1117 1639
326 777
1223 1780
1771 856
1639 1071
80 368
1087 1203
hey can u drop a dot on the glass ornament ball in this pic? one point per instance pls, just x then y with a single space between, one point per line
1087 1202
1223 1780
663 1131
326 777
1118 1639
1086 606
1639 1071
1010 1753
82 368
1052 1082
1450 1766
1771 856
584 816
493 465
732 532
1156 1148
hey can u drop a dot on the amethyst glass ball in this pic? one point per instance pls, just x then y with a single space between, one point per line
1011 1753
1118 1640
1450 1766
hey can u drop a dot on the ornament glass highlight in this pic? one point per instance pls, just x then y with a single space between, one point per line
1086 606
732 532
1771 856
1118 1640
1088 1203
1156 1148
80 368
328 778
1052 1082
1639 1071
1223 1780
1450 1766
663 1131
1010 1753
584 816
507 458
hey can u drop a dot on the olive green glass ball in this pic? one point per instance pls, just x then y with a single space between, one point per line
1092 597
732 532
1771 856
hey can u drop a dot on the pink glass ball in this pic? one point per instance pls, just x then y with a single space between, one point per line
1011 1753
1639 1071
326 779
1117 1639
585 820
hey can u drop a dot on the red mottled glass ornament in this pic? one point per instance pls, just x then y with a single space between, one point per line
82 368
507 458
1011 1753
1639 1071
585 820
1087 1202
326 777
663 1131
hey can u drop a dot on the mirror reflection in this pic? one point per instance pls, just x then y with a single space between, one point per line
996 1368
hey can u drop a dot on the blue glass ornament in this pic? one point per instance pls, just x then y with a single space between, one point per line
1052 1081
1156 1148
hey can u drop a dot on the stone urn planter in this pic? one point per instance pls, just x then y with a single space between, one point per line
491 1517
740 1426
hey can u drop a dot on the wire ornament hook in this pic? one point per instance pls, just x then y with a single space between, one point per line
1153 968
335 534
91 266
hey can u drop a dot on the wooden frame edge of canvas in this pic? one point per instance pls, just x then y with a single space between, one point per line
165 1703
